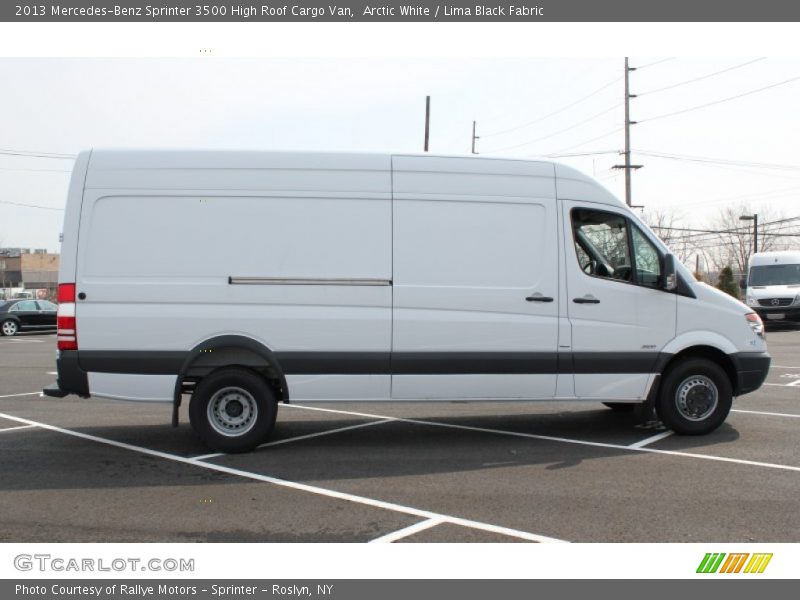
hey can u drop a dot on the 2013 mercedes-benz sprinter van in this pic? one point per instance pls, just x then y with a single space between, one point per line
247 279
772 285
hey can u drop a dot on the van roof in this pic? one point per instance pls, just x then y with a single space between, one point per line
143 168
780 257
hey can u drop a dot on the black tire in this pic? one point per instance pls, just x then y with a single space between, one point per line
9 327
620 407
233 410
695 397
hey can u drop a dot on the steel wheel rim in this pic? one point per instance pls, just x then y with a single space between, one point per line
697 398
232 411
9 328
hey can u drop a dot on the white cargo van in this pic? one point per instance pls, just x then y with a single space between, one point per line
247 279
772 285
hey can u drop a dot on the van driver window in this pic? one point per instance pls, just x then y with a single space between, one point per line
601 244
648 262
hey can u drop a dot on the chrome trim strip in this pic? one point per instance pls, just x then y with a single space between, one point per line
352 281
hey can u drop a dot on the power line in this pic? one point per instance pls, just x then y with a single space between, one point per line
599 137
658 62
29 205
563 88
554 113
554 134
701 78
692 232
728 99
32 154
35 170
757 196
721 161
576 154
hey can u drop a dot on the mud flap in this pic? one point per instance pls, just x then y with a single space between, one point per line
645 412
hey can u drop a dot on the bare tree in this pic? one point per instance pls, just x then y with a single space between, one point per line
732 244
667 225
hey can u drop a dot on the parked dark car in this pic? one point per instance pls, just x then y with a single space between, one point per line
26 315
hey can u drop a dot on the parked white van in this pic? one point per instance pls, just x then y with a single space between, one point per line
246 279
772 285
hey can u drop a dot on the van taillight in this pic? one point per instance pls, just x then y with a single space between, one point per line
66 292
67 334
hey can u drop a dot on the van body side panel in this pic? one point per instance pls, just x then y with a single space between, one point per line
471 242
72 216
293 251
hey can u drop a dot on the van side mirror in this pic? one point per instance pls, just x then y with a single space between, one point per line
669 278
743 283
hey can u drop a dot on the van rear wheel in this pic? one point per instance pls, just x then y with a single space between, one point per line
695 397
233 410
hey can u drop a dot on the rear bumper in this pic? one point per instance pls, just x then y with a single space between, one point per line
751 371
71 378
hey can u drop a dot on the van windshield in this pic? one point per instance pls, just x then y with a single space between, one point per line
775 275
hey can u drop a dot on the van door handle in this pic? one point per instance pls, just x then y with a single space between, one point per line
539 298
587 299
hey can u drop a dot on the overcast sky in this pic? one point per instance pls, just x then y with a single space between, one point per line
549 106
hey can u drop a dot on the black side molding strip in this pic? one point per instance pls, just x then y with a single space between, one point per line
398 363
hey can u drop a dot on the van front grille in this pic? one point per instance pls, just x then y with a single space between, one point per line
775 302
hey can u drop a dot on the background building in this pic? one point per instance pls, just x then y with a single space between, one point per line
29 269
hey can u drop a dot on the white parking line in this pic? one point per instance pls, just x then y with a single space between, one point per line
25 394
761 412
390 506
652 439
302 437
16 428
795 383
783 367
406 531
22 341
563 440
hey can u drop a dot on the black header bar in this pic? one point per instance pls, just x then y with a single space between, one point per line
183 11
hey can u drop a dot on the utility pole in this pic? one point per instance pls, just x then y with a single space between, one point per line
427 120
755 234
754 219
474 138
628 166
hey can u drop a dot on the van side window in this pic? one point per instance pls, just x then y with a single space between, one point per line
648 262
603 241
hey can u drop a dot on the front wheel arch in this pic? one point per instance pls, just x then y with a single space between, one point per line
707 352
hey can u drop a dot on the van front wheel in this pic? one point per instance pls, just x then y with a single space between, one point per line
695 397
233 410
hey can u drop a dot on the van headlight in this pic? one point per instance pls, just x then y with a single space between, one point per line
750 300
796 300
756 324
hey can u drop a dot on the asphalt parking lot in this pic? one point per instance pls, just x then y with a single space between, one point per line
76 470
